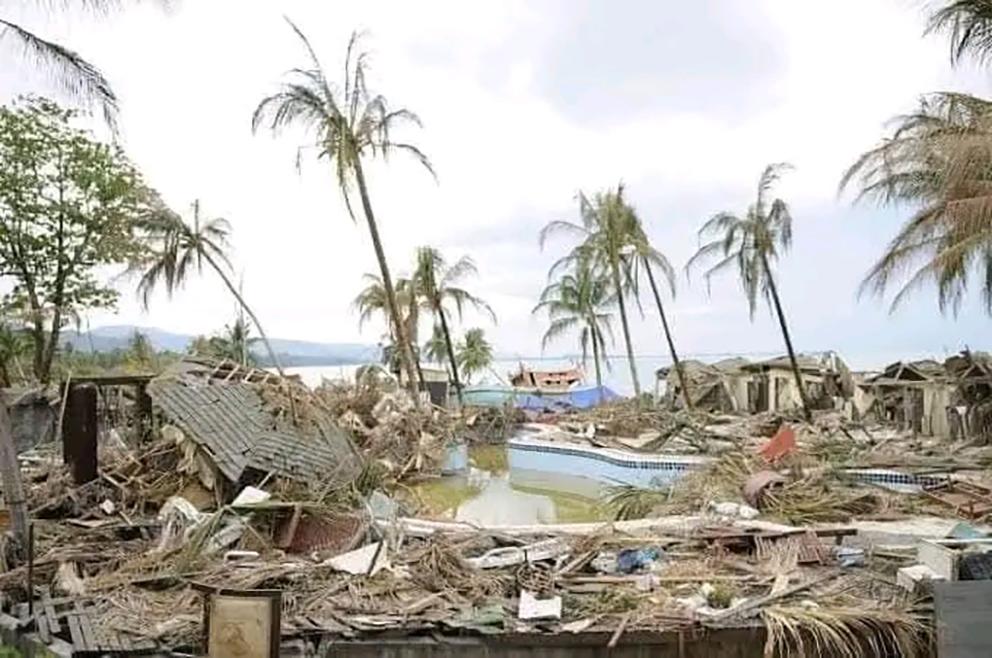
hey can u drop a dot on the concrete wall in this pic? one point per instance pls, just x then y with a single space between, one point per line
33 416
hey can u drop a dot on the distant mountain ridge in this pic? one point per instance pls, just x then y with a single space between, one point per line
291 352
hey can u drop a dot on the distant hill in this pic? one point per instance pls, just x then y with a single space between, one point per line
291 352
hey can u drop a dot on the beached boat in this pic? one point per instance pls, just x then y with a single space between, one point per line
539 390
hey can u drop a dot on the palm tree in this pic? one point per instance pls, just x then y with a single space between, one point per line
475 354
938 161
648 257
751 243
180 248
139 350
435 283
970 25
372 301
436 347
349 124
578 300
608 229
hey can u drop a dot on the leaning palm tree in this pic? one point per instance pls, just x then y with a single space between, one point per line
750 243
178 249
475 353
938 162
436 283
969 23
579 300
607 229
647 257
348 124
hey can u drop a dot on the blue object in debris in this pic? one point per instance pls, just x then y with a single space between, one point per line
579 398
636 559
455 459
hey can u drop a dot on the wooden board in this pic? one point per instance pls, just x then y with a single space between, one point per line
964 609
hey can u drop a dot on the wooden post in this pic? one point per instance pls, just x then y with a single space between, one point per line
79 432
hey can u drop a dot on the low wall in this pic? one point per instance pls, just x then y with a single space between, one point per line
33 416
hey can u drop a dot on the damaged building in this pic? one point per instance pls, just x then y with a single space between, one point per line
915 395
738 385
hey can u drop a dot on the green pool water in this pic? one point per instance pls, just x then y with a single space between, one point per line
494 494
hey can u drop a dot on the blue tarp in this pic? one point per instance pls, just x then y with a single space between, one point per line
582 398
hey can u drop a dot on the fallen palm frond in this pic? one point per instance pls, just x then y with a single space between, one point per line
817 499
845 632
627 501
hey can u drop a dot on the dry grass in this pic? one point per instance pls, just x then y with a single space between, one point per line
845 632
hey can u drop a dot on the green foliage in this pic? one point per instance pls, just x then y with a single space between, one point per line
474 354
436 283
436 349
231 344
372 301
14 346
69 205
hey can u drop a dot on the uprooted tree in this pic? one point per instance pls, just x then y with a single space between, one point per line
68 207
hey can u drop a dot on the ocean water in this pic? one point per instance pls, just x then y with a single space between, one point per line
617 376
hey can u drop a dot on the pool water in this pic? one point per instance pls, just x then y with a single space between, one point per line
507 485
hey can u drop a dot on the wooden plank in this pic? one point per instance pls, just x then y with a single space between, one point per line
963 610
84 624
43 632
75 633
49 606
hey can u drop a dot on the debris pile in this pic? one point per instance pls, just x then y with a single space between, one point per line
250 481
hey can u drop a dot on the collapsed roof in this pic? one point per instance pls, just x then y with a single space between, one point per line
223 409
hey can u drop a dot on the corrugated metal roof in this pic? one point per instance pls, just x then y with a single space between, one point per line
229 421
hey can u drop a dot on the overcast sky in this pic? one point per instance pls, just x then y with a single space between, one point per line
524 104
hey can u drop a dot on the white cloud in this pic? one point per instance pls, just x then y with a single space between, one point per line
508 155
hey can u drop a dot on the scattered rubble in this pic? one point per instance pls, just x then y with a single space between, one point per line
250 481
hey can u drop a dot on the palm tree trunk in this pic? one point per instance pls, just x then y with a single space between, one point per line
451 355
614 266
247 309
788 340
10 477
595 360
668 337
406 352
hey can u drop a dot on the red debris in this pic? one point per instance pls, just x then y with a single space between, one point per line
779 445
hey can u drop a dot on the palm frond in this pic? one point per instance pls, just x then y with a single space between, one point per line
74 74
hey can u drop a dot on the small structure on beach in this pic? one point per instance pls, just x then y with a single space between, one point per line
546 380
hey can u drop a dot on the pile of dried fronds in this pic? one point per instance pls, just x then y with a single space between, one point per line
847 632
439 566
